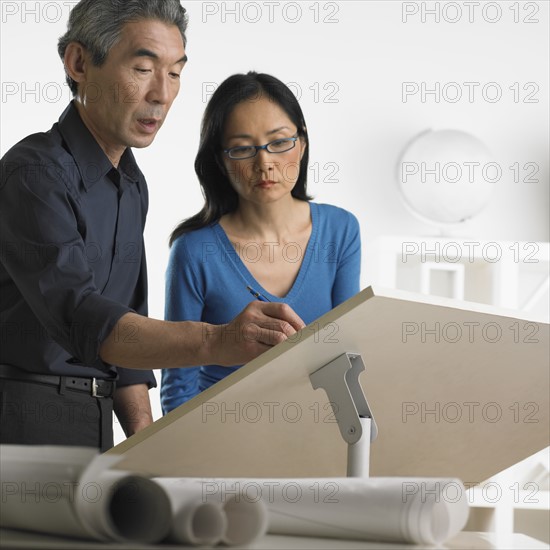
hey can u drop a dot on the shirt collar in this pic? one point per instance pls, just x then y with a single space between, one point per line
93 164
129 166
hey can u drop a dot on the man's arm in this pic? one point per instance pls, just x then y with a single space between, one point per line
133 408
142 343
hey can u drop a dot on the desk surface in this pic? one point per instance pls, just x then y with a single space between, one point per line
22 540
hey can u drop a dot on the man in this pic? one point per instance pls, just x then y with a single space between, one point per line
73 203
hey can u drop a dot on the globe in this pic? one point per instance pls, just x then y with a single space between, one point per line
446 176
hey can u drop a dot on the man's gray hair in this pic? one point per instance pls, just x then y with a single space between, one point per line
97 24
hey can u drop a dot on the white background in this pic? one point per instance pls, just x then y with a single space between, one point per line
347 62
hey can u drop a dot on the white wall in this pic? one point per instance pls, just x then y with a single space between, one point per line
347 62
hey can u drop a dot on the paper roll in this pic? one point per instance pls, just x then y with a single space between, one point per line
416 510
245 520
130 508
71 491
40 485
194 521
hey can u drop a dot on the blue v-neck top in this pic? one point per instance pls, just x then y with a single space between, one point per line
206 281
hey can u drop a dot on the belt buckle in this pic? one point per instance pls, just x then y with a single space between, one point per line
94 388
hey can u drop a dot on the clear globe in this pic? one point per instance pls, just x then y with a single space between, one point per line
446 176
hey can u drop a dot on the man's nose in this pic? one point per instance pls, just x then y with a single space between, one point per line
160 90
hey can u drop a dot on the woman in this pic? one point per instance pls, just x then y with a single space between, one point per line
258 235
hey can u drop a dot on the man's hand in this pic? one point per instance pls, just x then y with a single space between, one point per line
133 408
258 327
137 342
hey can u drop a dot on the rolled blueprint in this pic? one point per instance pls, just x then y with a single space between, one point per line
246 521
40 486
130 508
74 492
194 521
70 491
415 510
199 518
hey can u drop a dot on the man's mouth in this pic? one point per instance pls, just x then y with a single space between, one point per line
149 124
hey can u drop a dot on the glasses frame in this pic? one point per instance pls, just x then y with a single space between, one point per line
257 148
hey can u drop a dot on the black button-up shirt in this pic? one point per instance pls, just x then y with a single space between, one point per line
72 260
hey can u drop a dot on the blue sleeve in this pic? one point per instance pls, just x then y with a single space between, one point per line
184 302
347 280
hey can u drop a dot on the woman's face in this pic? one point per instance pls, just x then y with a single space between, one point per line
266 177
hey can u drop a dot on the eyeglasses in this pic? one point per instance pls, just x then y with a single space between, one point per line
281 145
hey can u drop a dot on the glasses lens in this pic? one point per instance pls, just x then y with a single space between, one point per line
281 145
242 152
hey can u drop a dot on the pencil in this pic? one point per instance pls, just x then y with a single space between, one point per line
257 295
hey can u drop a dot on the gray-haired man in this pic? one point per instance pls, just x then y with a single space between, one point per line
73 204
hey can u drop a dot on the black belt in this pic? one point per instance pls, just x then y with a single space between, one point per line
93 386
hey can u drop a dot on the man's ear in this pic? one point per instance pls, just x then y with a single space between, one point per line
76 61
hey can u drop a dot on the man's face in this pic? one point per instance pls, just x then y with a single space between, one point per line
125 101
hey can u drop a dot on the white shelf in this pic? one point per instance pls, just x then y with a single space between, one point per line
508 274
525 497
525 500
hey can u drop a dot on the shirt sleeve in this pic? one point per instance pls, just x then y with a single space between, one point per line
44 253
347 280
184 302
129 377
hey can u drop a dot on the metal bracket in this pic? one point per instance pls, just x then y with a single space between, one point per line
340 379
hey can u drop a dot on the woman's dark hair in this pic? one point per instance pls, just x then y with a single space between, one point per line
219 196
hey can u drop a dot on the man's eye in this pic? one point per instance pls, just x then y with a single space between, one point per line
175 75
143 71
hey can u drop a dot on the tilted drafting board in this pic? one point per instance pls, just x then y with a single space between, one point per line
457 389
